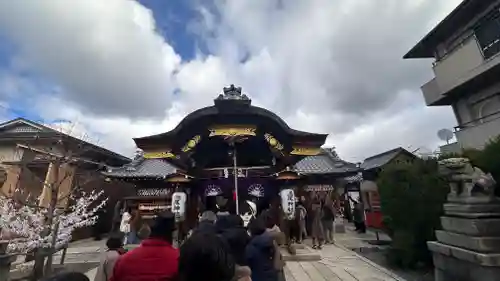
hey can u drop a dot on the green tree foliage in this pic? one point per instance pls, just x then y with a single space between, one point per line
489 159
412 196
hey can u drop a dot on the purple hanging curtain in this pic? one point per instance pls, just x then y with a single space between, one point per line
215 187
256 187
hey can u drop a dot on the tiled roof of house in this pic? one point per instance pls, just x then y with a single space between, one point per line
354 178
141 167
326 162
19 127
381 159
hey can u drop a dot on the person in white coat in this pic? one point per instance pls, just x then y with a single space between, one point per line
125 224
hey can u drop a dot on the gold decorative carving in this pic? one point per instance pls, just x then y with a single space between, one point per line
307 151
273 142
192 143
232 131
156 155
178 179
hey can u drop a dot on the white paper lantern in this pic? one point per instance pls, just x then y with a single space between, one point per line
179 205
288 203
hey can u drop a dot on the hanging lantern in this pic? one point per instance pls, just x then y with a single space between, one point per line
288 203
179 205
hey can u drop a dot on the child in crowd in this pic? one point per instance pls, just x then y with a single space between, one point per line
109 258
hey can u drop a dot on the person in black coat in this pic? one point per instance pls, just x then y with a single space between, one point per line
234 233
259 253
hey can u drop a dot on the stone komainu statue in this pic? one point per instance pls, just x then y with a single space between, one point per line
466 180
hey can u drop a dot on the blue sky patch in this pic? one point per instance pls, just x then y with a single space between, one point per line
174 22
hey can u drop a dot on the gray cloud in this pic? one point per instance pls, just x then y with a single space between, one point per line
326 57
107 58
330 66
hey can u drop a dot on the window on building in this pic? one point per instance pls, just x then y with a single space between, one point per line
488 36
486 109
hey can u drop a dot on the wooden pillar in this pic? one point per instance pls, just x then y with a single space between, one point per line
63 184
67 175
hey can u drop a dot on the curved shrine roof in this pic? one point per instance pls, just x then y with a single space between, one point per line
235 105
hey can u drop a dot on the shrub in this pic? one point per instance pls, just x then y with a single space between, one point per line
412 196
489 160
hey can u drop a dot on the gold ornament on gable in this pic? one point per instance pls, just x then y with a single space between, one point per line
159 155
192 143
273 142
232 131
306 151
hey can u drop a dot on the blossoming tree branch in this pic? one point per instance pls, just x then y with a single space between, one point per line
24 226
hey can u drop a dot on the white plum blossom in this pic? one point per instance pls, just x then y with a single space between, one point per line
25 228
21 225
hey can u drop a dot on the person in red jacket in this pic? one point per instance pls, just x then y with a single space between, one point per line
155 259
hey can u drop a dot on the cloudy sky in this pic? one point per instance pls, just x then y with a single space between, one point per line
120 69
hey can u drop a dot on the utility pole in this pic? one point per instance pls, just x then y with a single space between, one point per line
235 174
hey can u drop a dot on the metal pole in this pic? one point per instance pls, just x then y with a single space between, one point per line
235 172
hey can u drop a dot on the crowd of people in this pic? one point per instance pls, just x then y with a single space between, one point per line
219 249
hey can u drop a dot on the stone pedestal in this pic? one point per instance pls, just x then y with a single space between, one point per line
468 247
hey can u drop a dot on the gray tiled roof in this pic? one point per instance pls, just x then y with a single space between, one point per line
381 159
153 168
326 162
355 178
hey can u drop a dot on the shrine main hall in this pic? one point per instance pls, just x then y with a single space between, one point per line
231 152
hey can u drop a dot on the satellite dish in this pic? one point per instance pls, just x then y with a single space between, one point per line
445 135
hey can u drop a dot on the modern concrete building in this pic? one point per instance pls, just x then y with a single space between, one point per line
465 47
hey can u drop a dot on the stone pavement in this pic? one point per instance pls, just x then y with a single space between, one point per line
338 264
355 241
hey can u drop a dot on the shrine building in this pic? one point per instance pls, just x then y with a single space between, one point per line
231 147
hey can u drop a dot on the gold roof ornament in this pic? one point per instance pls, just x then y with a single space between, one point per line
232 131
158 155
179 179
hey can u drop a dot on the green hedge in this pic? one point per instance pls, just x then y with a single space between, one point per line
412 196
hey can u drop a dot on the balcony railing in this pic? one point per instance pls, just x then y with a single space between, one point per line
432 92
